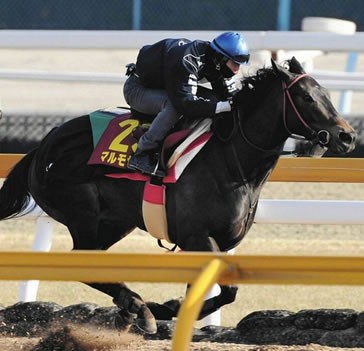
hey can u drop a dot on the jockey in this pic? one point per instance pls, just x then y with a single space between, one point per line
164 83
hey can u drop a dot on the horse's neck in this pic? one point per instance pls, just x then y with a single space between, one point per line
264 127
253 152
246 164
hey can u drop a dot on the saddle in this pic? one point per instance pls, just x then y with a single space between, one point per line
116 133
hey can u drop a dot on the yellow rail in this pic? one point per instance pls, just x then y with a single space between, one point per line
90 266
7 161
299 169
200 269
303 169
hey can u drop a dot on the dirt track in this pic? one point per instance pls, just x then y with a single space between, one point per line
88 339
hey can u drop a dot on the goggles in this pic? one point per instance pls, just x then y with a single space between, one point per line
239 59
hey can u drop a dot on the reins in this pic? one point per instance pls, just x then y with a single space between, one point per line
244 181
236 115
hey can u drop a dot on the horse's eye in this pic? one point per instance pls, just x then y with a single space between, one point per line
307 97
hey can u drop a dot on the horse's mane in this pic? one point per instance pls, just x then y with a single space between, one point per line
253 90
255 87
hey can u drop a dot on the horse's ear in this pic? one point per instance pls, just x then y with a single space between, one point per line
295 66
281 71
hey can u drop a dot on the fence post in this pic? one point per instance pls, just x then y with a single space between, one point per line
346 96
137 14
214 318
193 303
42 242
284 15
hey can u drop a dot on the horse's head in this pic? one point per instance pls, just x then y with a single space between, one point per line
309 113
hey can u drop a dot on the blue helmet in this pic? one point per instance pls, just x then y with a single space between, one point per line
232 46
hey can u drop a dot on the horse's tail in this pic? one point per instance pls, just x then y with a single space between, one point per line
14 194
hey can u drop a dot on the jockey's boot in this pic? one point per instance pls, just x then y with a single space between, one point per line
146 162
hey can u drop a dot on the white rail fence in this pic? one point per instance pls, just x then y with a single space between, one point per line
331 80
259 41
336 36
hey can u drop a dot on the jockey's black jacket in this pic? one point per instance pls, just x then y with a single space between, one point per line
177 65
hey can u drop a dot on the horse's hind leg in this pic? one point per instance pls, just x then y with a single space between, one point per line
226 296
132 307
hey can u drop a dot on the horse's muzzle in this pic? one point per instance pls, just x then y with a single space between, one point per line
343 141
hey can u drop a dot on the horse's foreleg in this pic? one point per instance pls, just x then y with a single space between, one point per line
132 307
135 305
228 292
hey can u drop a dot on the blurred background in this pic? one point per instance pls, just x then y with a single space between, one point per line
32 106
173 14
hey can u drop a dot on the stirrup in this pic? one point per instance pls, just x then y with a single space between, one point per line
157 172
151 169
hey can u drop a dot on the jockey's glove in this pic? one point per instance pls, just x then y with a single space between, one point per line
232 88
223 106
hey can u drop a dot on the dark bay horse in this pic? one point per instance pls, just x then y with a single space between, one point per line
211 207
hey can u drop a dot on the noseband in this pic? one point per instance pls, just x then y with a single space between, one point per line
323 136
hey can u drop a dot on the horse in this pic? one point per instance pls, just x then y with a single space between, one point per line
212 205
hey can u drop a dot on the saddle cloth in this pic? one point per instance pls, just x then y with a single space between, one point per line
115 136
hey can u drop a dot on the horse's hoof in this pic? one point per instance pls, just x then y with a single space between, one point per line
148 326
146 321
228 294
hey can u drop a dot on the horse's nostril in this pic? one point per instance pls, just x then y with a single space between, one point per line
346 138
324 137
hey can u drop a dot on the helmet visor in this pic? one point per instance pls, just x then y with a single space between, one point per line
240 59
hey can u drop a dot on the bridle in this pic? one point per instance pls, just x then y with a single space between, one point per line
322 136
